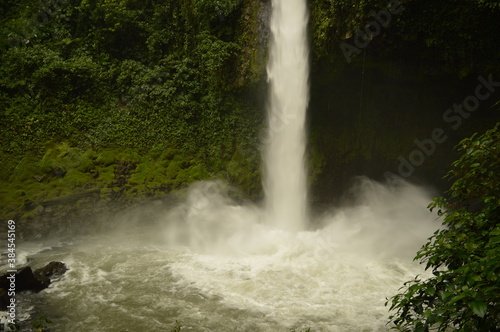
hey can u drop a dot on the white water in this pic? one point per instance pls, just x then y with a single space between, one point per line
288 70
213 265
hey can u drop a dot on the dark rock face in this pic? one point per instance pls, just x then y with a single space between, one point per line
52 217
53 270
27 280
265 12
122 173
23 280
4 299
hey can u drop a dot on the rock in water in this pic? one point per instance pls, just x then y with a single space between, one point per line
53 270
27 280
24 280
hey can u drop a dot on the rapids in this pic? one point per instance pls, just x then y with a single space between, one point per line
214 265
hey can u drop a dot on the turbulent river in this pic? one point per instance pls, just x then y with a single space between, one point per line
211 264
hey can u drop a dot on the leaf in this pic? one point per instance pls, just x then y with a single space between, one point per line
479 308
456 299
420 328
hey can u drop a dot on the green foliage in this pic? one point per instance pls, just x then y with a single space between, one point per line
65 169
460 34
177 327
41 324
108 76
489 3
334 21
464 293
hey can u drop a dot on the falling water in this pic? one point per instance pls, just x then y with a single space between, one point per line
288 70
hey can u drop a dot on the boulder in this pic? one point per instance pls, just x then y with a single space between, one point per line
4 299
53 270
27 280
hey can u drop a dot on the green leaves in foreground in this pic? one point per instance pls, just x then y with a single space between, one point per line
464 256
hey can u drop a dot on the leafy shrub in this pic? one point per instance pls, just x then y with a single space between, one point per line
464 256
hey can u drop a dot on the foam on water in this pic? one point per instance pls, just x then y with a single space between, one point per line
335 278
253 277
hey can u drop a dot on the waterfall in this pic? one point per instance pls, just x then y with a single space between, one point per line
285 174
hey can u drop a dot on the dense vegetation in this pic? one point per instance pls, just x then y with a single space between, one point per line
463 293
88 85
459 36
